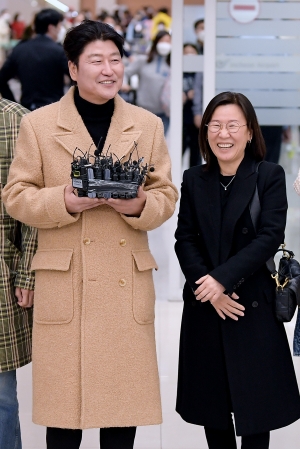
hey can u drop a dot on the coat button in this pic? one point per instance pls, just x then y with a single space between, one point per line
122 282
254 304
86 241
245 230
122 242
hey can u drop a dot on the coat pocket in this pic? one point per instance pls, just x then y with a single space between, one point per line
53 297
143 294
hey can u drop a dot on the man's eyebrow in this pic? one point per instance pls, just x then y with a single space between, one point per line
116 53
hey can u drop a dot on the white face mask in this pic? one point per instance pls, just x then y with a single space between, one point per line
163 48
201 35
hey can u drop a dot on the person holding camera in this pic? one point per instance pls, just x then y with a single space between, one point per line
94 355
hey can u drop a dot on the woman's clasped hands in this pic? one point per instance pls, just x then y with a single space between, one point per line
211 290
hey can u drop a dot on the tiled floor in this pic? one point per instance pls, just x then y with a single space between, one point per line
173 433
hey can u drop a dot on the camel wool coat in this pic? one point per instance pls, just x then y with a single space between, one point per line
94 356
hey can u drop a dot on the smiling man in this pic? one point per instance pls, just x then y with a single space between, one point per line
94 358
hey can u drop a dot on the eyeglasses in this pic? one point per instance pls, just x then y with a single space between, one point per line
232 126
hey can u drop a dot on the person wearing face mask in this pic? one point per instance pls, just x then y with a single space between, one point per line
152 70
39 63
200 34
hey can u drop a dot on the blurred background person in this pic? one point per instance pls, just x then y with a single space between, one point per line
273 136
162 21
152 70
189 130
17 27
199 27
200 34
4 33
39 63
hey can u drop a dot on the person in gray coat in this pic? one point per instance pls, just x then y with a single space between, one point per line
153 70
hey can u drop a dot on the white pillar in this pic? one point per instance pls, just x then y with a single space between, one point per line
175 139
209 77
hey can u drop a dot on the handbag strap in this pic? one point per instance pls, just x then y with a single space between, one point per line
255 211
254 206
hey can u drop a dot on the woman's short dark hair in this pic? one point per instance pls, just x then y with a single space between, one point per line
155 41
77 38
256 148
46 17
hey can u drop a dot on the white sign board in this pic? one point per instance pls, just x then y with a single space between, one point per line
244 11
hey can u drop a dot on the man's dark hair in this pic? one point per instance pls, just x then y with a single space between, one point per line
46 17
189 44
88 31
198 22
256 148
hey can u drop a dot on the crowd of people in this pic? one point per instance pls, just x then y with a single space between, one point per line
93 340
147 55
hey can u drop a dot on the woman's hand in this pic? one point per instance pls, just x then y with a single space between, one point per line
209 289
225 306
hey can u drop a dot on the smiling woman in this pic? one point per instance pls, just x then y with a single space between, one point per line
233 352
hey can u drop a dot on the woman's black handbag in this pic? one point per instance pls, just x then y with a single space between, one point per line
287 277
287 280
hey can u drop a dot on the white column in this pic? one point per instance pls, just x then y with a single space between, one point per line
175 139
209 77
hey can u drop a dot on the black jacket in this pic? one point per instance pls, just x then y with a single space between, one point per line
40 64
243 366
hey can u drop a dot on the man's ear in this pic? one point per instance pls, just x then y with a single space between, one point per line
73 70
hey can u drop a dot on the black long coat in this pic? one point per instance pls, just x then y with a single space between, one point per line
243 366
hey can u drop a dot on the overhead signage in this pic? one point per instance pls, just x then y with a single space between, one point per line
244 11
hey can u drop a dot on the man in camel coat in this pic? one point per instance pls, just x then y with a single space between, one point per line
94 357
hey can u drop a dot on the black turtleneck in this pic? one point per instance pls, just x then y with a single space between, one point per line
96 117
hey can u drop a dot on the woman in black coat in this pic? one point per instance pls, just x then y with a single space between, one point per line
234 354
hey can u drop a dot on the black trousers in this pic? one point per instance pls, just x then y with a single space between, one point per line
225 439
110 438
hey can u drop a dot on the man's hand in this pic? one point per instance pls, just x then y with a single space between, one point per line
76 204
133 207
25 297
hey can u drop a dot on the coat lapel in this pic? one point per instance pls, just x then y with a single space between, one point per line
210 211
121 134
120 138
242 191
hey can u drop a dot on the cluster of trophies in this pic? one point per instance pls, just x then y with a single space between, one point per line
100 176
